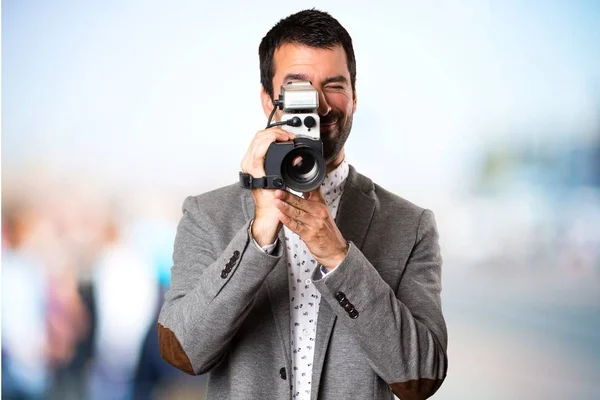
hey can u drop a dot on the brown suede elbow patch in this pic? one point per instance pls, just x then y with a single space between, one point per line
172 351
417 389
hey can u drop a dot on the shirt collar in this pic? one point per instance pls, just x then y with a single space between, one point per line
333 185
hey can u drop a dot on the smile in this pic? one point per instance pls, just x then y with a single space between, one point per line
328 126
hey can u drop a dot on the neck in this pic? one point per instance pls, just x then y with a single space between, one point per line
333 164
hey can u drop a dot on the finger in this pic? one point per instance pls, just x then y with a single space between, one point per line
253 161
315 195
279 129
293 225
257 150
270 137
313 204
281 134
295 201
263 142
261 145
295 213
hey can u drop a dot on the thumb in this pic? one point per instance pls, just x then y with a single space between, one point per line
315 195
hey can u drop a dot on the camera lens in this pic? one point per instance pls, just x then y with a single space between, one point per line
303 169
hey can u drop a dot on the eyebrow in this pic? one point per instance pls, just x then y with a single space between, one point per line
295 77
302 77
335 79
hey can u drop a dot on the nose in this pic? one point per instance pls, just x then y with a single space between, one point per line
324 107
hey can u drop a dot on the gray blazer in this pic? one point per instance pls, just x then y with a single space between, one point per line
380 327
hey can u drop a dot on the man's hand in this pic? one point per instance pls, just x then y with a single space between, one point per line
266 217
311 220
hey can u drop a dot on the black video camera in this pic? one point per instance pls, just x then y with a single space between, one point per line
298 164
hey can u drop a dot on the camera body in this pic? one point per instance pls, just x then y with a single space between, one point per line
300 99
298 164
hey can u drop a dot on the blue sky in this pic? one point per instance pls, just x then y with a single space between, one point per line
144 84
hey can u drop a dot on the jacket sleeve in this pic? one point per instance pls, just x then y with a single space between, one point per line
211 291
402 333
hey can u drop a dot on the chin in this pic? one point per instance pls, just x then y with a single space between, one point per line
330 155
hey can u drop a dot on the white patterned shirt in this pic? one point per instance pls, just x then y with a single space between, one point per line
304 297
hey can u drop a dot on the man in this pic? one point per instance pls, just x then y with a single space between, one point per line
332 295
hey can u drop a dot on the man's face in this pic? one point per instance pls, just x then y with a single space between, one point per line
327 70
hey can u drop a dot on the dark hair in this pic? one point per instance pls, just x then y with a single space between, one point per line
311 28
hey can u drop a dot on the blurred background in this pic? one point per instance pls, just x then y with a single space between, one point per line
486 112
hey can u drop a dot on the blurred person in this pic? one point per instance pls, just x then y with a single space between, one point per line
69 329
43 314
125 295
332 294
65 239
153 377
25 365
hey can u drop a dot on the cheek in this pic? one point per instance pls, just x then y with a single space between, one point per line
341 102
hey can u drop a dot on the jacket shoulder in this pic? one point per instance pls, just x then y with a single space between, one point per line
221 203
386 201
390 200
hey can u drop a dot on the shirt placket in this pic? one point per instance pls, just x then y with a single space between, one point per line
304 312
304 297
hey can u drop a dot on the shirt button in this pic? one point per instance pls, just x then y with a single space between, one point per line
308 281
306 332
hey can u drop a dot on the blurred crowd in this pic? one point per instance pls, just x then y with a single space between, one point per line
83 277
84 272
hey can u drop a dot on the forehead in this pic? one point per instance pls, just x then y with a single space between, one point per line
315 62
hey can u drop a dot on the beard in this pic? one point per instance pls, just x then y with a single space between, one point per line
334 137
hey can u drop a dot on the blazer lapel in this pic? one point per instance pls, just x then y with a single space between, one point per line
325 324
353 219
279 296
277 287
356 208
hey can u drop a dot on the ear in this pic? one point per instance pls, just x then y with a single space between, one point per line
266 101
353 101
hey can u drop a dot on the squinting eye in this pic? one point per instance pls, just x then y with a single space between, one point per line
335 87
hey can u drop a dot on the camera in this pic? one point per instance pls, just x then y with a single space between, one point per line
296 164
